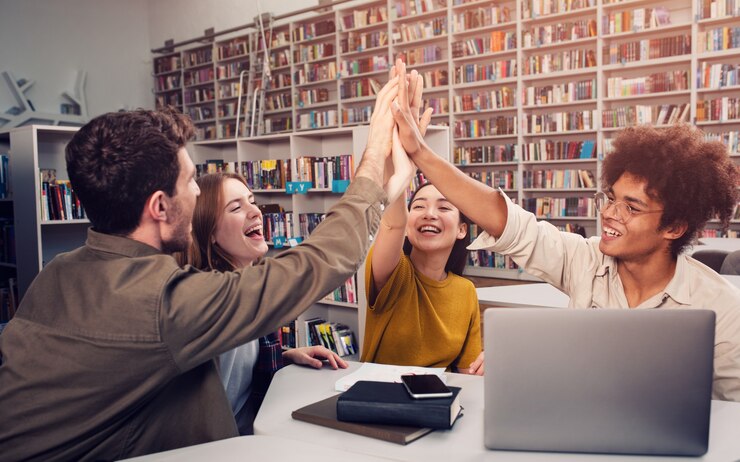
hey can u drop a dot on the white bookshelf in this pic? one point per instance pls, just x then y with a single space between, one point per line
522 42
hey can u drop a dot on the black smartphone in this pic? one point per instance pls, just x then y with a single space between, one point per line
425 386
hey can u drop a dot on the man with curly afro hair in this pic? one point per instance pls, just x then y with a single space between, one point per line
659 189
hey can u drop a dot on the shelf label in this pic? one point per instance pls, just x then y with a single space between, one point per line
339 186
297 187
294 241
278 241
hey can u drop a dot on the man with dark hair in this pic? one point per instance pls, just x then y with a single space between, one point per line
111 353
660 187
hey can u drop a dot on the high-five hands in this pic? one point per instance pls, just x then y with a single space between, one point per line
406 107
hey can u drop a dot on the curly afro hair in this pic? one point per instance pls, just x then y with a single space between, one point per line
695 179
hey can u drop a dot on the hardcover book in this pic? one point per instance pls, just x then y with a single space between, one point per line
324 413
390 403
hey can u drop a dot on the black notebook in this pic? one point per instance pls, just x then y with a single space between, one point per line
324 413
390 403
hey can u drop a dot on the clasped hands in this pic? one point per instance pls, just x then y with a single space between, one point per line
397 128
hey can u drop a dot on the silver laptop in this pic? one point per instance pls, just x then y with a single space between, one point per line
598 380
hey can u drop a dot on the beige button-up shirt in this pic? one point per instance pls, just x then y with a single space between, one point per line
577 267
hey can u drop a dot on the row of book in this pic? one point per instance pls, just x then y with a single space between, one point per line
58 200
558 122
488 259
504 179
496 41
197 57
440 105
721 109
346 293
306 53
717 8
482 16
653 83
359 66
422 55
362 18
470 155
317 119
436 27
356 115
721 38
640 50
232 48
281 58
278 101
558 179
307 31
718 75
566 60
536 8
477 128
560 93
167 64
403 8
199 76
635 20
355 42
337 337
485 99
231 70
560 32
558 207
478 72
268 174
663 114
545 149
199 95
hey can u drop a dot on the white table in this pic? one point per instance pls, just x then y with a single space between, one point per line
294 387
733 278
717 243
537 295
258 448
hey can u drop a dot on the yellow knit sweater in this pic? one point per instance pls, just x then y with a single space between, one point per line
417 321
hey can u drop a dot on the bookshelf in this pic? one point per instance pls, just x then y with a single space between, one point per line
8 275
527 87
38 240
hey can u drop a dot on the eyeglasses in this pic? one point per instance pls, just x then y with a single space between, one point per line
622 210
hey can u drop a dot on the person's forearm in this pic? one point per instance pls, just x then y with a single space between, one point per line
479 202
372 166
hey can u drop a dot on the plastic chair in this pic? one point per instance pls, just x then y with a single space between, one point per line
713 258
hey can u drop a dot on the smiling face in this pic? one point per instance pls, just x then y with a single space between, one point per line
640 238
434 223
239 228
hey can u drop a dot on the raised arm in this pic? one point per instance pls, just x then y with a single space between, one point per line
481 203
389 241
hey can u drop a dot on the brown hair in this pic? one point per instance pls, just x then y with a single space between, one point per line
204 253
117 160
695 179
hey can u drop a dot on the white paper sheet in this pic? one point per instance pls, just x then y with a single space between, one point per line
385 373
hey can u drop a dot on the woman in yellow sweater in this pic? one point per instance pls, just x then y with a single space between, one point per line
421 311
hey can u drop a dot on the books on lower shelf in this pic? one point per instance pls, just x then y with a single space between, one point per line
337 337
391 404
324 413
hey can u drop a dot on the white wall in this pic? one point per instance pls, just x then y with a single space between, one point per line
48 40
185 19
